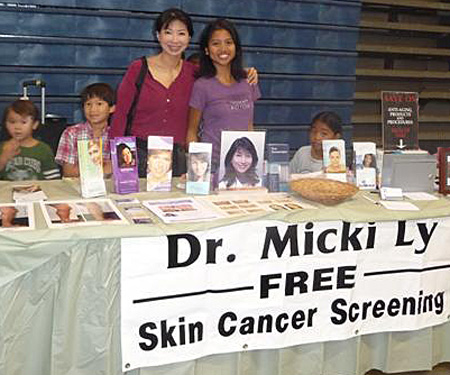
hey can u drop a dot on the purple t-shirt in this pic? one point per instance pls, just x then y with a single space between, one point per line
223 108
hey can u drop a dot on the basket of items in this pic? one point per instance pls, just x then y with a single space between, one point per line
323 190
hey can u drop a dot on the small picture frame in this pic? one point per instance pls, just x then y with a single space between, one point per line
444 170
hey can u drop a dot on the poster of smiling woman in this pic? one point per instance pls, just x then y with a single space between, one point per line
241 160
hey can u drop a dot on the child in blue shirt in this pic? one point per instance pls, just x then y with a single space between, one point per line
23 157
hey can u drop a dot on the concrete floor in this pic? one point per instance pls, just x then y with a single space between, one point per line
441 369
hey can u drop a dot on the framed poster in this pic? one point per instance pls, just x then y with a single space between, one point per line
400 120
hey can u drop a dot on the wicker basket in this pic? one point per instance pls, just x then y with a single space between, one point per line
323 190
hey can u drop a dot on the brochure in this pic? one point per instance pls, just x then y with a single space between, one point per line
81 213
233 204
241 160
134 210
400 121
199 168
124 165
90 161
159 163
365 165
28 193
17 216
181 210
277 167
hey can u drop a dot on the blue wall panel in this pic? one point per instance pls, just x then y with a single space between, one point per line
304 50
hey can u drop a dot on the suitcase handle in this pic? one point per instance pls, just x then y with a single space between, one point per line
38 83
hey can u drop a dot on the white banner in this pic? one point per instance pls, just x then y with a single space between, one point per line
269 284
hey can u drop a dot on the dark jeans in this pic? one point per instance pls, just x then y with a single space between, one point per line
178 158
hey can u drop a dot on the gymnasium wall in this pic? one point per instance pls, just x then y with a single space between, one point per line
304 50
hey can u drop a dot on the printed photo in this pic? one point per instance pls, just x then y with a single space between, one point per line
81 212
17 216
241 160
334 156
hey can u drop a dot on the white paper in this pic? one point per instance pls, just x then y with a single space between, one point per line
420 196
399 206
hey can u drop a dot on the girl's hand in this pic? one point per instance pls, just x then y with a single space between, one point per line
252 76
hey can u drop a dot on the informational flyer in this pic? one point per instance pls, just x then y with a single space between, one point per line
181 210
159 163
90 161
124 165
198 168
365 164
234 204
400 120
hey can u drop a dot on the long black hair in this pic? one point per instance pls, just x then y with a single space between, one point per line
250 177
207 68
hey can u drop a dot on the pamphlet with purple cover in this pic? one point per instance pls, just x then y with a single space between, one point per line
124 165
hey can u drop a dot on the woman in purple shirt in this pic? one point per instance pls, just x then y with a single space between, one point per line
221 99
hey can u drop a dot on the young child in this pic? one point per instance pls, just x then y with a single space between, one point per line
22 157
325 125
221 99
97 100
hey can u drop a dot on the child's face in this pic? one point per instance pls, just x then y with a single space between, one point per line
318 133
221 48
242 160
20 127
97 111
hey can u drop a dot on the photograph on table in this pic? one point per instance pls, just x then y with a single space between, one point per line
198 168
159 163
241 160
31 192
124 165
334 159
81 213
16 216
90 161
365 164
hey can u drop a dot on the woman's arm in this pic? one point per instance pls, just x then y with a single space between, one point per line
195 116
124 98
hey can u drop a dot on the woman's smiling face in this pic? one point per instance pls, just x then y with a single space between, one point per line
242 160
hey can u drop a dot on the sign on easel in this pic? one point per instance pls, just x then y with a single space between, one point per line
399 111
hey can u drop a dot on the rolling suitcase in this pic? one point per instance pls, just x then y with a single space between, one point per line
51 126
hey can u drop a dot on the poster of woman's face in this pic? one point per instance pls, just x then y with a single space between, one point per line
241 159
199 167
126 155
